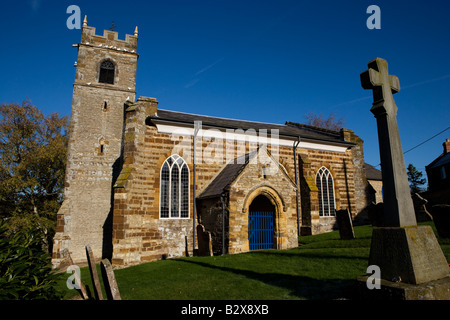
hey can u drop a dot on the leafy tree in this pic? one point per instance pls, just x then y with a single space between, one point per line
25 269
415 179
330 123
32 165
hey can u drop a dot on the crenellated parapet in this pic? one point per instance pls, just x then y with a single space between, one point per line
109 39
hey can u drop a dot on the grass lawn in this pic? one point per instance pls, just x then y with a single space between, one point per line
322 267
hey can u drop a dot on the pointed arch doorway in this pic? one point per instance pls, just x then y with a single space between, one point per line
261 224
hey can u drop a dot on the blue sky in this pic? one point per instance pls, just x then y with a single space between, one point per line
268 61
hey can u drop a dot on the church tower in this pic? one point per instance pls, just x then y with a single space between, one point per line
105 80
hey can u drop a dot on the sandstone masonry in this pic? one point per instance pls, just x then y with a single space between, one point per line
117 190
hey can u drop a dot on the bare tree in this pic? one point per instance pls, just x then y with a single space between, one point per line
331 123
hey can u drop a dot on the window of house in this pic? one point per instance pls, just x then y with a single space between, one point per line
443 173
174 191
325 184
107 70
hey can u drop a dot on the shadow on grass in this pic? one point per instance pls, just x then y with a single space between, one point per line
311 253
299 287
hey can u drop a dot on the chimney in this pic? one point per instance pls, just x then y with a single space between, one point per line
446 145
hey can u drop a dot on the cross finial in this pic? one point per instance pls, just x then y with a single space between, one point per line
113 26
383 85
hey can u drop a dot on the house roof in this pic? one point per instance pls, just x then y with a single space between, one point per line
440 161
372 173
289 129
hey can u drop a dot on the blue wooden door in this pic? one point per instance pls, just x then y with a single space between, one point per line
260 230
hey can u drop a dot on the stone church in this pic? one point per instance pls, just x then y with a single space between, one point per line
140 178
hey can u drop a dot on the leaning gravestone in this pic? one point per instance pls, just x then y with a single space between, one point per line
401 249
109 280
420 208
84 293
375 212
344 221
204 241
94 274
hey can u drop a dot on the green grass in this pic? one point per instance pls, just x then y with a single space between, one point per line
322 267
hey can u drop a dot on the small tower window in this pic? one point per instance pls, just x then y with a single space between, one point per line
105 107
107 69
101 147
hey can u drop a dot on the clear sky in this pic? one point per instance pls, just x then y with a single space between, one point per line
268 61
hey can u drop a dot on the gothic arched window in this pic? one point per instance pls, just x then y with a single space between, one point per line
324 182
174 191
107 70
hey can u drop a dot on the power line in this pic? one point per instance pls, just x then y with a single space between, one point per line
422 143
426 140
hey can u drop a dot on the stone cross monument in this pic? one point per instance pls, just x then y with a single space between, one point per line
397 198
403 251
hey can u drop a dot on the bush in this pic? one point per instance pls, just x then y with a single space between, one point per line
25 268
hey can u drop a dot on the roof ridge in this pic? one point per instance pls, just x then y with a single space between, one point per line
216 117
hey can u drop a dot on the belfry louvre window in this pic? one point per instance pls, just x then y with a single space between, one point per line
107 70
174 191
325 184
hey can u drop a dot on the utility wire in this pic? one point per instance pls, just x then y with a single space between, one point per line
426 140
421 143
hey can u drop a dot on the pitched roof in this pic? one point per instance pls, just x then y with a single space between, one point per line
289 129
440 161
232 170
372 173
226 176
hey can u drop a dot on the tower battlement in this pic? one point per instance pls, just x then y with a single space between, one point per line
109 39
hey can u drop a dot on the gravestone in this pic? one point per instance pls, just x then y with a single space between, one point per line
400 248
84 293
375 213
420 208
109 281
345 224
186 249
94 274
204 241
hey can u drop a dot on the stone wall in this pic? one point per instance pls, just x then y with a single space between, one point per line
342 170
139 235
147 237
359 174
278 187
95 145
